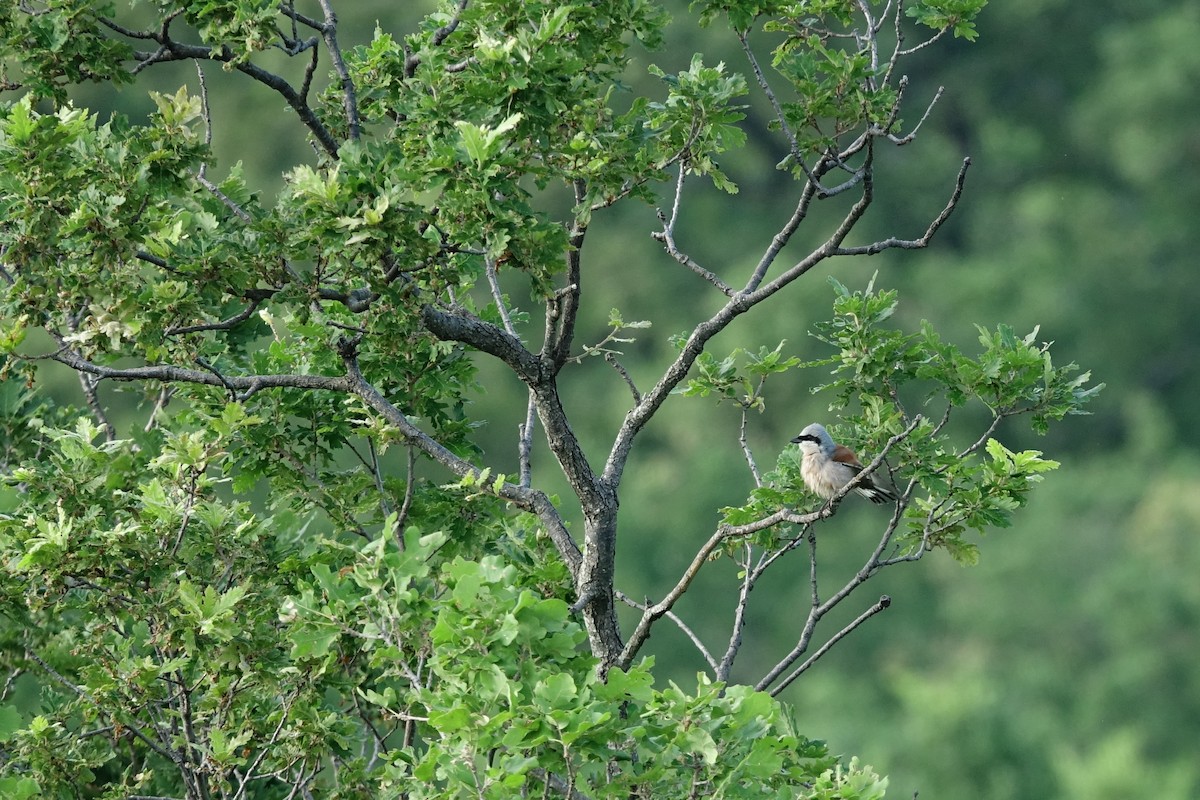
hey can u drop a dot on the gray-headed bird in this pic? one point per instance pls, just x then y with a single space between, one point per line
829 466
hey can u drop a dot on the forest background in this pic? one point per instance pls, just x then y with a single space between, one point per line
1063 665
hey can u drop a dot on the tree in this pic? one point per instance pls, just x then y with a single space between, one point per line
236 591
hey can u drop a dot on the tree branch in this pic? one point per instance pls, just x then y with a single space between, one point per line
883 603
652 613
679 623
170 50
349 98
667 236
914 244
562 308
223 325
411 62
738 304
873 564
525 498
460 326
173 374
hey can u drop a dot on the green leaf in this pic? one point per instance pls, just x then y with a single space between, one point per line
556 691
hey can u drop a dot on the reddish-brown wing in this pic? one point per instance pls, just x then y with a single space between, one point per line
845 455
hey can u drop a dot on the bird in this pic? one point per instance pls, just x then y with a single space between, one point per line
829 466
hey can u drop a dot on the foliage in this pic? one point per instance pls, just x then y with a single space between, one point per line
887 369
276 647
242 588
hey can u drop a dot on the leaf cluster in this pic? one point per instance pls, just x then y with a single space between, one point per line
425 662
953 482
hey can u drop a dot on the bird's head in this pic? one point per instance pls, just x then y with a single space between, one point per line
814 438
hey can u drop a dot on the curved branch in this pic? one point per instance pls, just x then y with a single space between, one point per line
170 50
525 498
460 326
349 98
679 623
652 613
883 603
924 240
172 374
412 61
562 308
223 325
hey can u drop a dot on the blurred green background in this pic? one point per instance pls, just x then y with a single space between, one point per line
1064 666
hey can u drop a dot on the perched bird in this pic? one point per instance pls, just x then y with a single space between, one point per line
829 466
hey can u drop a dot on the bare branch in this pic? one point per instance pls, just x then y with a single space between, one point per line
193 492
900 141
813 177
673 251
525 443
671 615
651 613
216 192
460 326
288 10
667 236
913 244
745 443
738 304
349 98
739 619
562 308
884 602
410 477
89 384
205 111
624 373
523 497
780 239
498 296
223 325
183 375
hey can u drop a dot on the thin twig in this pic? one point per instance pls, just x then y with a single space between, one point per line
782 237
525 442
667 236
745 443
204 108
624 373
409 490
89 384
814 180
189 503
924 240
349 98
223 325
883 603
489 264
385 507
671 615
